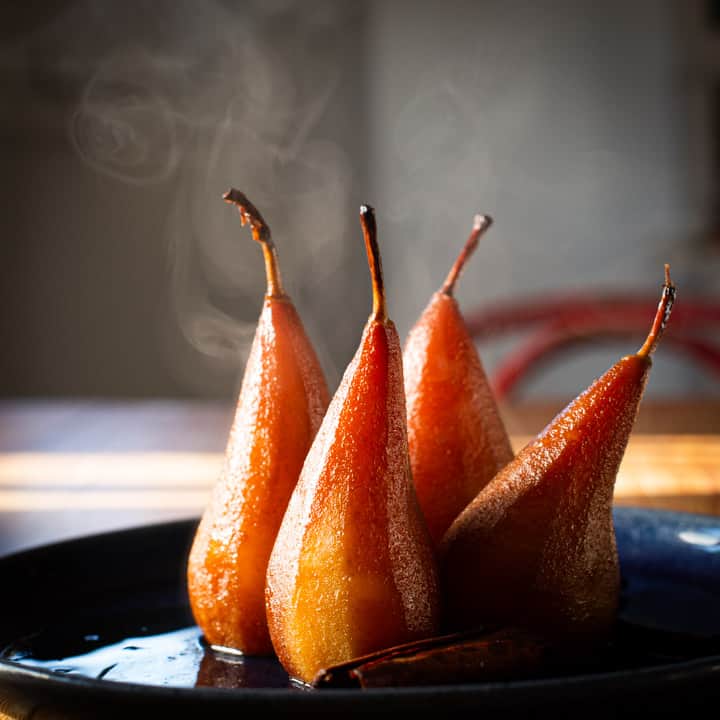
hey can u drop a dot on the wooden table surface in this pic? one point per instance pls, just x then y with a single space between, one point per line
69 468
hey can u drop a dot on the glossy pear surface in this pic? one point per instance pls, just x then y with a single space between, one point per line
353 569
457 439
536 547
280 407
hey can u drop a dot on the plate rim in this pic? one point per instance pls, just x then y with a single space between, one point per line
17 674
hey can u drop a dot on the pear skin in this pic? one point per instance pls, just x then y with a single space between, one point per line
353 568
280 406
536 547
456 436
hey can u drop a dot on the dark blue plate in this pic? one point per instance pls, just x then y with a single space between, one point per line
100 628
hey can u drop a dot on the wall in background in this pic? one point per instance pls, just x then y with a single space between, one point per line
572 123
125 123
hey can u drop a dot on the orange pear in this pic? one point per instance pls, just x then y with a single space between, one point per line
536 547
353 568
281 403
456 436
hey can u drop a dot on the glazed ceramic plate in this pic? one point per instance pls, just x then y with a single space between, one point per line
100 628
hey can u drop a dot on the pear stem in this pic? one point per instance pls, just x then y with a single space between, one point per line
261 233
661 316
369 228
480 224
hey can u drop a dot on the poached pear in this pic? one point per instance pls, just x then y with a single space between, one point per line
536 547
456 436
353 568
281 403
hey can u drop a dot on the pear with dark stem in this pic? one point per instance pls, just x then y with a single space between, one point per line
353 568
456 435
279 409
536 547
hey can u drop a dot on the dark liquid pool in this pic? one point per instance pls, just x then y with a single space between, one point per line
147 651
172 653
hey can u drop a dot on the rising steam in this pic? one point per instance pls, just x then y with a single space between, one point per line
123 127
212 105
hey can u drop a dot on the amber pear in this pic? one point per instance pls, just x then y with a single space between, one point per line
456 436
281 403
536 547
353 568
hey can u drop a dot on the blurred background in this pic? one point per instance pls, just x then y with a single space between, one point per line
589 131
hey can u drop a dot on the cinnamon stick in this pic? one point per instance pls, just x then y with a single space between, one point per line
448 659
504 654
